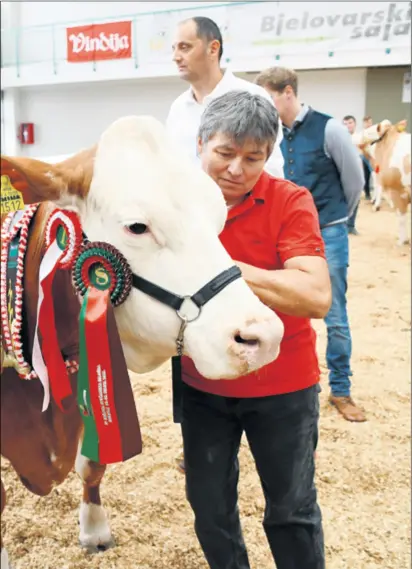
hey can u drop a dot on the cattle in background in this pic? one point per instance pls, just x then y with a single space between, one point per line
135 191
388 147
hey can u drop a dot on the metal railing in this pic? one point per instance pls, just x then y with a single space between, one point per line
47 44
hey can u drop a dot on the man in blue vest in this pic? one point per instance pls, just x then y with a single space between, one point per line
319 154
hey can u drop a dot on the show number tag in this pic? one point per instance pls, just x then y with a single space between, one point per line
11 199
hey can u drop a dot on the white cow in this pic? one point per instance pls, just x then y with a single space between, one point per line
136 177
389 149
165 215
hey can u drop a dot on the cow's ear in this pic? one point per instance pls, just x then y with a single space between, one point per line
401 125
64 183
383 127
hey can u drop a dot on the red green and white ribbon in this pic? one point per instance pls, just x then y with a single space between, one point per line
102 275
63 241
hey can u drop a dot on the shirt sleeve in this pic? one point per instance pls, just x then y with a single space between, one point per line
300 234
275 163
339 145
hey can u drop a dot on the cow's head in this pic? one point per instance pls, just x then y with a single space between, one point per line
379 131
137 192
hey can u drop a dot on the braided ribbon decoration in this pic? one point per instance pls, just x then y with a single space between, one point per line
64 239
12 332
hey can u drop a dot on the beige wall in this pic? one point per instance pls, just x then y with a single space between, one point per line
384 94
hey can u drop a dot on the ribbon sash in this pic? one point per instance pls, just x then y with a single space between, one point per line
108 437
47 360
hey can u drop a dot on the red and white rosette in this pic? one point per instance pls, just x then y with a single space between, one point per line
64 239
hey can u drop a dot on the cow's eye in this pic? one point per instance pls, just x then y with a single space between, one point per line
137 228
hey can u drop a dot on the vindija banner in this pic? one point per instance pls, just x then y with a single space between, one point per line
99 42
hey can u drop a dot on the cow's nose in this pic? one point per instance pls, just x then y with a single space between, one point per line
257 342
251 340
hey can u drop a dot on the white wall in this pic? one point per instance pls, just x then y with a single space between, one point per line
69 118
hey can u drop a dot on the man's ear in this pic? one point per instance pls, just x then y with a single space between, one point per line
39 181
199 146
214 47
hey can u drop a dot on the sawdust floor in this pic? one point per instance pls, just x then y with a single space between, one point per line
363 470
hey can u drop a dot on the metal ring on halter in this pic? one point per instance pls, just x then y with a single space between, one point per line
185 318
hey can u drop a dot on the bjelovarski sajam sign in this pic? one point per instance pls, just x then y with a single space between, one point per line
99 42
316 28
379 21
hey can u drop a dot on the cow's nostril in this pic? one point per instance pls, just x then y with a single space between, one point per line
249 341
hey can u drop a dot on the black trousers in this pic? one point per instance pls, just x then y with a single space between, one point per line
282 433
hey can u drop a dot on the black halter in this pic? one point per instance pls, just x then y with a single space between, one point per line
200 298
175 301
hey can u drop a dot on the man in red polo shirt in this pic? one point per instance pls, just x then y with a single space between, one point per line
272 233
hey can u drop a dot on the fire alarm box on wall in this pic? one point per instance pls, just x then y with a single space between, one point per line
26 133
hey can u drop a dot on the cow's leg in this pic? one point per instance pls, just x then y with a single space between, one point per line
95 532
4 555
387 197
402 227
377 196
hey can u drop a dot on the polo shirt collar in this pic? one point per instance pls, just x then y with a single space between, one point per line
221 88
256 196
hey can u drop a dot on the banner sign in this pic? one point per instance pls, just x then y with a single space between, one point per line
297 27
99 42
253 30
264 29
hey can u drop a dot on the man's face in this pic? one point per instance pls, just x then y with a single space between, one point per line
367 123
190 53
235 169
350 125
282 101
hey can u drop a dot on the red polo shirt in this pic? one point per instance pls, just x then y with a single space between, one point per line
277 221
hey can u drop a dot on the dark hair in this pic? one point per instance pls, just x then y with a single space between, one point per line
367 118
208 30
349 118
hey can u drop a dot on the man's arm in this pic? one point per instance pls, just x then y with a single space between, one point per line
339 146
301 289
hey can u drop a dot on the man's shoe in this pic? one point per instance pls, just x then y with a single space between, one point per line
348 409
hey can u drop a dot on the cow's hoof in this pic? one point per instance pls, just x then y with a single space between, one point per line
95 535
100 548
376 207
5 560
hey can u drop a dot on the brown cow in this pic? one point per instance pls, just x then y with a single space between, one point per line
388 147
135 191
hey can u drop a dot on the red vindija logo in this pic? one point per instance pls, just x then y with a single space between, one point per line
98 42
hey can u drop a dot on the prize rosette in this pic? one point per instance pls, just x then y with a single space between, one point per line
65 229
63 242
102 276
103 267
